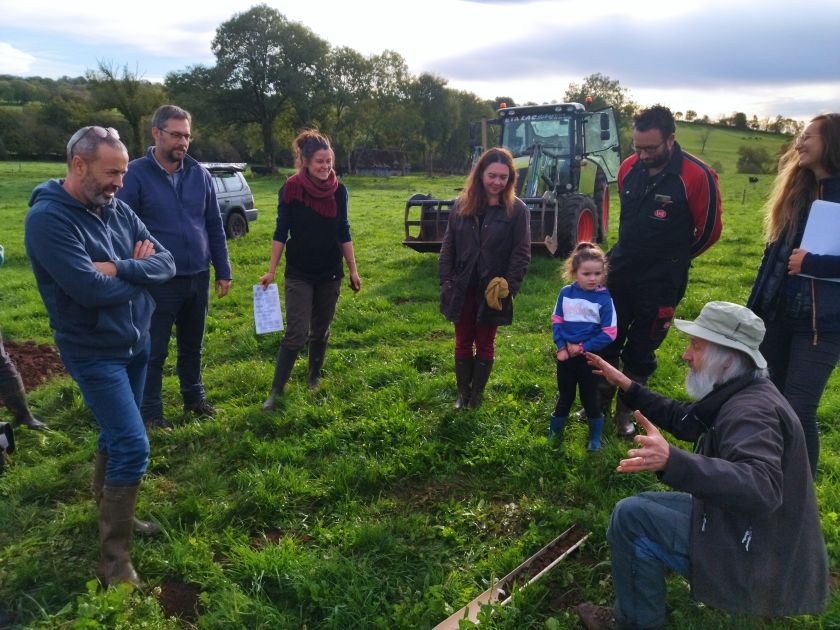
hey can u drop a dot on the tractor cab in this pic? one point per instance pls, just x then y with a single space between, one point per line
565 158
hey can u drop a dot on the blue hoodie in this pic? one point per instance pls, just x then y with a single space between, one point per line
93 315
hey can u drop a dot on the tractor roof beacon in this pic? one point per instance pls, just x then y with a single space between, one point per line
565 156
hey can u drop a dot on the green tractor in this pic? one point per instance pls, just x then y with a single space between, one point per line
565 157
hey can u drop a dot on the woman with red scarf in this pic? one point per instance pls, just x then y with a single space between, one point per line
313 230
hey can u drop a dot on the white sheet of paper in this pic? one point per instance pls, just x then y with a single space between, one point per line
822 232
267 314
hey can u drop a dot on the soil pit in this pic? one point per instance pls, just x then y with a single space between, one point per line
36 362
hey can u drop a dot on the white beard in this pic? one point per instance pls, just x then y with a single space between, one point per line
699 384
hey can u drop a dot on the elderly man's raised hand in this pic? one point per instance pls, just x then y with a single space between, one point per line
653 450
611 374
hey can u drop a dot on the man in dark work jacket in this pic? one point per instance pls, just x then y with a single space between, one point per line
670 214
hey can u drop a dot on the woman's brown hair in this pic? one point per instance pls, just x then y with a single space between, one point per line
309 142
473 199
795 187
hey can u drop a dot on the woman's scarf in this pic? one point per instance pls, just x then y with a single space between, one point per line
318 195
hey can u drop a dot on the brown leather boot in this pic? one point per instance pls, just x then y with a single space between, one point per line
463 377
480 376
141 528
116 512
14 397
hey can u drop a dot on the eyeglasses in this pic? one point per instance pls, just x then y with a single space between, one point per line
102 132
652 149
802 137
177 135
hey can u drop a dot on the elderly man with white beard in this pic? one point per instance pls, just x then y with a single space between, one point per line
741 524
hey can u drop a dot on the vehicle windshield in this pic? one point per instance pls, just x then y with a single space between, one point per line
520 135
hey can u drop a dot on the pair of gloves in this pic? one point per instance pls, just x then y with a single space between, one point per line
496 289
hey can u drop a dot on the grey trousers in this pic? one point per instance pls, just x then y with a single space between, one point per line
310 308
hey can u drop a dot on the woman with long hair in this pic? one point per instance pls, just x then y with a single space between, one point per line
313 230
485 254
797 292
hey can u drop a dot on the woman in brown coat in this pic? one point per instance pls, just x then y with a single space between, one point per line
483 260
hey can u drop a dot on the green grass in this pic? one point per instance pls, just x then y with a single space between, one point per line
369 503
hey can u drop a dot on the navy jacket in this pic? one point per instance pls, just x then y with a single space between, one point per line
186 220
92 315
816 300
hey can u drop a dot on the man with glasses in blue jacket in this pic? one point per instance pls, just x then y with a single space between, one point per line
174 196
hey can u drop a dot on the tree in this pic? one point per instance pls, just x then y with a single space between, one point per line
754 160
266 65
605 92
438 113
129 94
739 120
704 137
690 115
348 85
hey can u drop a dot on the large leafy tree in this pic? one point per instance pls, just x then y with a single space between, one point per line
266 65
127 92
606 92
437 111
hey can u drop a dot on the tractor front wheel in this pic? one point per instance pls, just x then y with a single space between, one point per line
577 222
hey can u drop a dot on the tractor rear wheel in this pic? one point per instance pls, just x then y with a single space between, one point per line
577 222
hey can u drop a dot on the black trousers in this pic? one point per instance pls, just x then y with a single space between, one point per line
571 373
800 370
645 299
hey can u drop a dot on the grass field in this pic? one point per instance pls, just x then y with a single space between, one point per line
369 503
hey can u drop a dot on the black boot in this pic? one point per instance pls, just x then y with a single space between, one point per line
142 528
282 371
317 350
116 534
623 414
463 377
14 396
481 374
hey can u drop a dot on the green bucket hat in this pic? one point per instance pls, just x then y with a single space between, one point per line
729 325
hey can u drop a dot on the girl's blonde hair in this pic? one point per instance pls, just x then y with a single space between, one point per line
474 198
795 187
584 252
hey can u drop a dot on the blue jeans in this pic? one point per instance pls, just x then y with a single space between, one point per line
648 533
112 389
181 301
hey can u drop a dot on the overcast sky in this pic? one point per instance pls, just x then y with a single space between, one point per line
712 56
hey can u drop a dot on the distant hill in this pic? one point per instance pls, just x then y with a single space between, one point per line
723 142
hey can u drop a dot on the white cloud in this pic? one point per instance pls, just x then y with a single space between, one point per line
14 61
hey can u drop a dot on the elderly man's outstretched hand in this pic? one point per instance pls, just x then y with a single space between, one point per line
611 374
652 452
